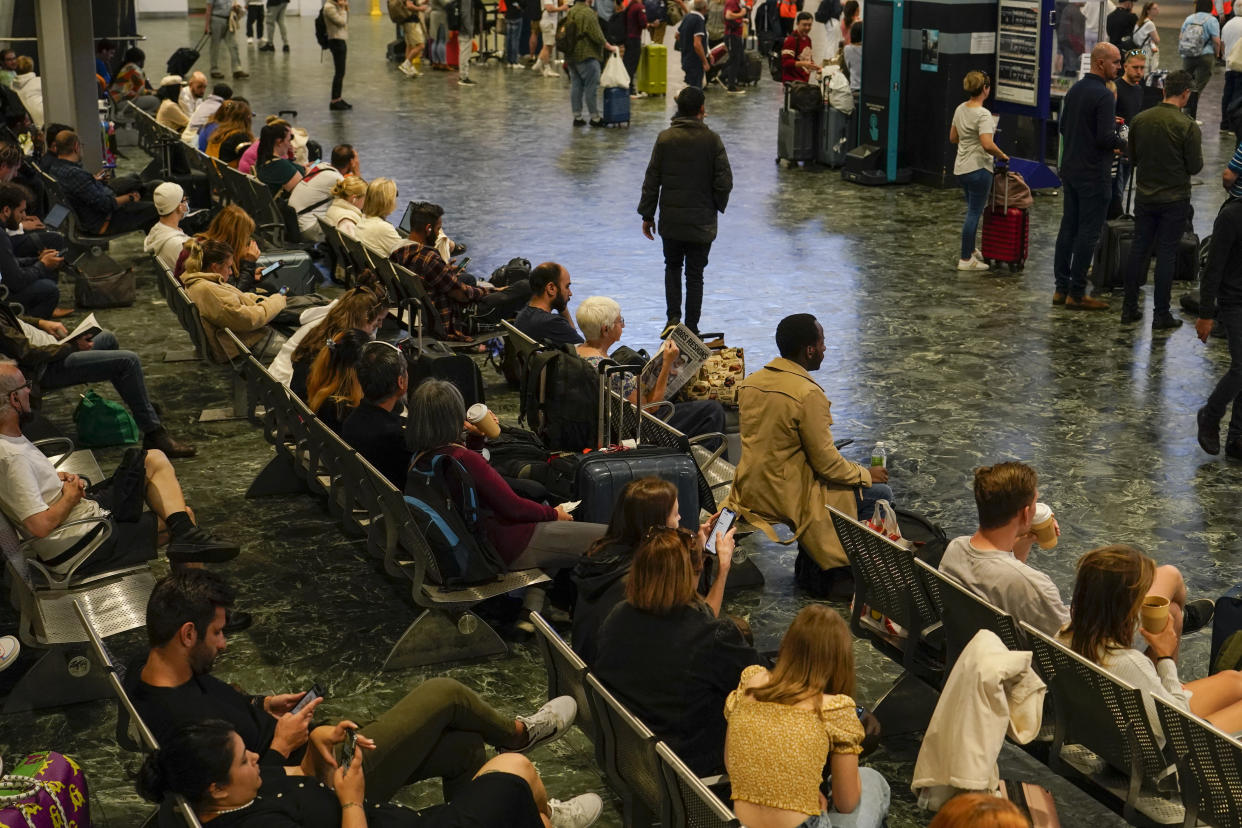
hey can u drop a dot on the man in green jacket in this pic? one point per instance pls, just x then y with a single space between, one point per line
584 58
1165 150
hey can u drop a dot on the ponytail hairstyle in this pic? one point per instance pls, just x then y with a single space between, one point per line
975 82
1146 13
351 186
212 253
268 138
194 255
189 762
334 375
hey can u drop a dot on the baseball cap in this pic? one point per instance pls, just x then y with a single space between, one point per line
168 80
168 197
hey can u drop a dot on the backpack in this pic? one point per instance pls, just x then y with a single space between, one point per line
1193 37
517 270
519 453
655 9
566 37
567 418
715 21
452 15
828 10
614 28
399 12
321 30
768 28
444 505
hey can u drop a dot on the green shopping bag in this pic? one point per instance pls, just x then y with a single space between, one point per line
103 422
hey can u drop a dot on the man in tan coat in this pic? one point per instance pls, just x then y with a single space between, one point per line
221 306
790 468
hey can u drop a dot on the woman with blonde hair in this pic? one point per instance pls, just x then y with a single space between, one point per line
1147 37
788 724
972 131
362 308
235 228
1109 590
345 211
374 230
332 388
979 810
233 131
223 307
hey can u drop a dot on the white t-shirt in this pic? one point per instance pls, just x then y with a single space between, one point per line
376 232
30 486
316 187
1020 590
971 122
1229 35
282 365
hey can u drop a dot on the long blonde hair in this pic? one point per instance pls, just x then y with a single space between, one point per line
381 198
815 658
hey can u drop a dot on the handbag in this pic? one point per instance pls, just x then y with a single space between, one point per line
1009 190
44 790
105 285
103 422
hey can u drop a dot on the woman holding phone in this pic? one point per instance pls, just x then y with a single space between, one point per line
972 131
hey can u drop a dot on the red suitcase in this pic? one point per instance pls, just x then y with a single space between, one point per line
1006 237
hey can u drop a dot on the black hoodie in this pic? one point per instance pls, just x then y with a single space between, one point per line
600 580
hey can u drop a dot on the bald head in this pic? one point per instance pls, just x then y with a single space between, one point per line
11 379
1106 61
198 84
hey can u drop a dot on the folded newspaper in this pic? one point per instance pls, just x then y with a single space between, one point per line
685 368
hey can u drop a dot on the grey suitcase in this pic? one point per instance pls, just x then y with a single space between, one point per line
795 135
833 137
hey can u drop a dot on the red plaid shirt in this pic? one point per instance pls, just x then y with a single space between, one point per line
441 281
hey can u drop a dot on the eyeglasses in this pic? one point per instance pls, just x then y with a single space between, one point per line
26 384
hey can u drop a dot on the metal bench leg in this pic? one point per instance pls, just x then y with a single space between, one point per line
278 477
63 675
436 637
239 409
190 355
906 707
744 575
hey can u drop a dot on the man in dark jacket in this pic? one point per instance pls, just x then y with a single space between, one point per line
690 179
1220 298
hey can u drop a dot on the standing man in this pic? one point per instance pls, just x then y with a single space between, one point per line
796 61
414 33
1129 102
1230 34
1199 45
734 14
1220 298
217 25
790 470
1120 25
1089 141
692 35
689 178
1165 149
465 43
584 56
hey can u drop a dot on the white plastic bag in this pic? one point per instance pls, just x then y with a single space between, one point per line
837 90
614 73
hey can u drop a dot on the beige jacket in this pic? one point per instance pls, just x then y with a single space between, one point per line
790 470
223 306
336 19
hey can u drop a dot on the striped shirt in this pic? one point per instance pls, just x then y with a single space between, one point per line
1235 167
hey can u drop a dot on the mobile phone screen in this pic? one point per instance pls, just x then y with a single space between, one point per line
272 268
284 290
723 523
314 693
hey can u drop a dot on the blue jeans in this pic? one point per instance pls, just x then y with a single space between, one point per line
513 37
1085 204
867 497
977 185
583 83
104 363
871 810
1163 226
1229 389
39 298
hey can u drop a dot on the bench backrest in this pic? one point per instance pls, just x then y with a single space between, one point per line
1209 764
630 756
964 613
566 672
690 803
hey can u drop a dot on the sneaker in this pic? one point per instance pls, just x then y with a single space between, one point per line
1130 315
971 264
579 122
1058 298
638 95
464 81
735 90
250 41
285 48
1208 433
548 723
407 68
1197 615
198 546
668 328
578 812
977 255
597 122
270 47
10 649
1165 322
549 72
240 74
339 106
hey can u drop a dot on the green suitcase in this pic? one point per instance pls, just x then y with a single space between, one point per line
653 70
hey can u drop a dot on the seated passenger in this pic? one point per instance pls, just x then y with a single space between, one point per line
232 133
993 561
602 324
1109 589
170 114
130 82
312 196
193 93
222 306
166 239
452 297
29 87
273 166
33 236
205 111
345 211
363 307
790 468
546 319
103 209
797 63
39 500
250 155
235 228
777 755
33 286
375 230
209 765
666 656
375 428
438 729
527 535
332 389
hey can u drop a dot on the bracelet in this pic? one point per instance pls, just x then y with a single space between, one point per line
1170 658
345 805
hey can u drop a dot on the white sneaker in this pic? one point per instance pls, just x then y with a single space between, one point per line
977 255
250 41
10 648
536 66
549 722
549 72
407 68
578 812
971 264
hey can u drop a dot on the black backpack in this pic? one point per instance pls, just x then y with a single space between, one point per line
930 541
452 15
566 36
517 270
519 453
321 30
567 419
443 502
828 10
614 29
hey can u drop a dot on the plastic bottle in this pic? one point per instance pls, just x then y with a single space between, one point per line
879 455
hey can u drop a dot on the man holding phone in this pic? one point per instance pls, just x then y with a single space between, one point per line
33 286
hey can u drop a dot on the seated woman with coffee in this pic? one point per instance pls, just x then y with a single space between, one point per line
1116 586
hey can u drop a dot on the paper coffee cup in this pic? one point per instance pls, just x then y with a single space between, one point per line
1154 614
484 420
1043 526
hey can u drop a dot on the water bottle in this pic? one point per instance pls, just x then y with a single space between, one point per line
879 455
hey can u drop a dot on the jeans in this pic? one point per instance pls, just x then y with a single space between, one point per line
694 71
1200 68
39 298
254 20
1233 91
583 83
133 215
1229 387
697 417
275 17
30 244
220 32
977 185
1162 225
867 497
1085 203
870 812
513 37
337 47
104 363
737 55
694 254
504 304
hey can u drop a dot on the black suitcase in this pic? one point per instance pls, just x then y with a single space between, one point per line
430 359
396 50
774 65
601 476
752 69
183 60
296 272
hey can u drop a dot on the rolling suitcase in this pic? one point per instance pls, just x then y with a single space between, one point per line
833 138
601 475
752 69
430 358
653 70
795 134
183 60
1112 251
616 106
1006 232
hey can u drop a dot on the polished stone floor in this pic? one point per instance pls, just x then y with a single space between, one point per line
951 370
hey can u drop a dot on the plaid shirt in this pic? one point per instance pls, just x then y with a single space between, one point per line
440 280
92 200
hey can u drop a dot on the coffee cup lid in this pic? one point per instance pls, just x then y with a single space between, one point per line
476 412
1042 512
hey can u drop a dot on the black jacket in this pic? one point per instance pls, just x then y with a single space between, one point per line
600 580
1089 131
690 179
1222 278
17 276
379 436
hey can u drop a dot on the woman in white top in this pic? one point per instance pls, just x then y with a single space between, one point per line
374 230
345 211
972 132
1109 589
1146 37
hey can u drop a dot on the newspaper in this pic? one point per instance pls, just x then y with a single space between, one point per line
685 368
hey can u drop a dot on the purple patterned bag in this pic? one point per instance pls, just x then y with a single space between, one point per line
44 790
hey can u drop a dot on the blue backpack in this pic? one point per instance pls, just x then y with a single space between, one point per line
445 506
655 9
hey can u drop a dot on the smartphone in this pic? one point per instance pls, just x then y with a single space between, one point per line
462 264
345 750
284 290
272 268
721 527
316 692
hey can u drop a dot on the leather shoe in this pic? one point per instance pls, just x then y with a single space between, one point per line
1165 322
235 621
1085 303
162 440
1233 449
198 546
1129 315
1058 298
61 313
1208 433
